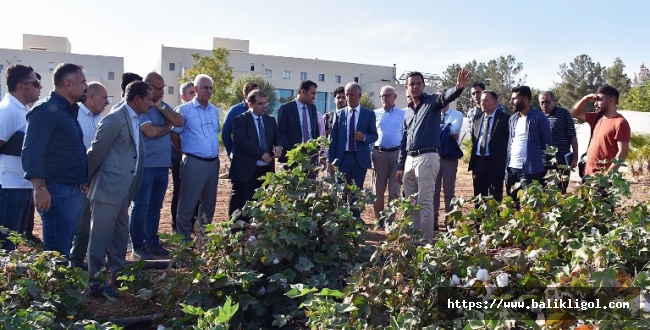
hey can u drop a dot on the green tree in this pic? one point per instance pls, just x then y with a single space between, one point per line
615 77
215 66
636 99
238 85
579 78
642 77
366 102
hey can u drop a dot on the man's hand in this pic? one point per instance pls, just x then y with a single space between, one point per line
159 105
358 136
84 189
399 175
277 152
590 97
42 199
267 157
574 161
463 78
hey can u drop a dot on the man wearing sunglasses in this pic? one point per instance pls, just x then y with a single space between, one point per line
15 192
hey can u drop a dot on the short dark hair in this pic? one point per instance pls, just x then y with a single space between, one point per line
523 91
339 89
609 91
494 94
38 75
478 84
414 74
306 85
549 93
127 78
185 86
250 86
254 94
63 71
15 74
137 88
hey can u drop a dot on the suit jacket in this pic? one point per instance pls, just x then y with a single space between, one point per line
112 158
290 127
247 150
366 123
497 142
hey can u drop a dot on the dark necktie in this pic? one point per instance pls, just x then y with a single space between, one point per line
351 143
305 126
486 125
262 135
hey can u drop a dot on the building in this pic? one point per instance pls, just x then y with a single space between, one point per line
285 73
43 53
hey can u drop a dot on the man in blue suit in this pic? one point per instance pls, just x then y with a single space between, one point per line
353 132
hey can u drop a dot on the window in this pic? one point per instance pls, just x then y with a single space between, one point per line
111 75
303 76
2 67
337 79
252 66
283 96
110 99
356 79
170 89
50 66
269 73
321 100
321 77
286 74
172 66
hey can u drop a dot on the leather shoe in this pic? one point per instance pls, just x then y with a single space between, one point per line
142 254
106 291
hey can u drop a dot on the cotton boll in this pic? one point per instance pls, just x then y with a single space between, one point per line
502 280
455 280
482 275
533 255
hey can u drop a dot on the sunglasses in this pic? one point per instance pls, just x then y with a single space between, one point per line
35 83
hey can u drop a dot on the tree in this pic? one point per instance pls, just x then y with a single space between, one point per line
642 77
366 102
237 86
615 77
215 66
579 78
636 99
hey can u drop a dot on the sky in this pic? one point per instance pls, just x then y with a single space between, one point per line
426 36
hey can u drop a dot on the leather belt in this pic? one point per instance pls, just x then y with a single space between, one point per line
386 149
414 153
350 152
202 158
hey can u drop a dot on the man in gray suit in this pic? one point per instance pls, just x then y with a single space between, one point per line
115 166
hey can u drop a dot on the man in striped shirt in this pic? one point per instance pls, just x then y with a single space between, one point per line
563 132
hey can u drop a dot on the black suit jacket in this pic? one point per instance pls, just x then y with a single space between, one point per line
247 149
497 142
290 126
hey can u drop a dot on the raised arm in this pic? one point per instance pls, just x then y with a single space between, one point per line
576 110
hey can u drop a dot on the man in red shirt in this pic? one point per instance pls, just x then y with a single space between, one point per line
610 137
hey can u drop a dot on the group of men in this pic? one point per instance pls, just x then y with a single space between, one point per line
83 171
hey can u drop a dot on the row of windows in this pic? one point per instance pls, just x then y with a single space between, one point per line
286 95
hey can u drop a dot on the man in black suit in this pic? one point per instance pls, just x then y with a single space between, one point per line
256 143
297 120
489 151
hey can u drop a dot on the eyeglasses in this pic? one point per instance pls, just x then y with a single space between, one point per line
387 95
545 102
35 83
160 89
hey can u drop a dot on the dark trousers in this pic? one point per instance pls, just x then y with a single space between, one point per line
487 179
515 175
353 173
243 191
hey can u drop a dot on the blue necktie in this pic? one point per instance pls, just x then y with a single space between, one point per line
262 134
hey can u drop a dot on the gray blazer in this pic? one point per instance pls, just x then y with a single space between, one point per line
112 158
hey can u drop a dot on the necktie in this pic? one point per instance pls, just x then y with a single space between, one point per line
305 126
262 134
351 143
486 125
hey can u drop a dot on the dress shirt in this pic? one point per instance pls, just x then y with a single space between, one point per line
12 120
389 127
135 125
454 118
88 122
422 124
348 113
54 149
119 103
480 135
300 118
260 162
199 133
226 135
157 149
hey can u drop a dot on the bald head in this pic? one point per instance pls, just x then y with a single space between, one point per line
96 97
156 81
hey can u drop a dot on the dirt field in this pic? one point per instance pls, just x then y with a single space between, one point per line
463 188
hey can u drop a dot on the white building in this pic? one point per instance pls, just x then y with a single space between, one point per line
285 73
43 53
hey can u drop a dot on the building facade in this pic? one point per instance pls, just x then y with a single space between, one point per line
43 53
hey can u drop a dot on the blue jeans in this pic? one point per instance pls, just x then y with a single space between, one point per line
60 220
14 211
145 209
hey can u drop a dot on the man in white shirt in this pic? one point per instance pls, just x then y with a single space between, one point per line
15 191
446 178
90 112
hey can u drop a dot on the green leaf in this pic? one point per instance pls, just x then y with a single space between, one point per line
331 293
304 264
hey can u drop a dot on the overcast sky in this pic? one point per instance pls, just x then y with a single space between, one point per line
416 35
